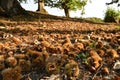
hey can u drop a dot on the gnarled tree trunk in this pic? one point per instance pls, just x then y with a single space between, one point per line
10 8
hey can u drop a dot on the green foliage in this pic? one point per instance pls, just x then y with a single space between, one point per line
69 4
83 57
111 15
117 27
94 19
92 44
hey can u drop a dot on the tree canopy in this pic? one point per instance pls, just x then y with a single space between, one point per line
71 4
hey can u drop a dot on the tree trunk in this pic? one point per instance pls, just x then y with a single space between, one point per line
66 12
10 8
41 7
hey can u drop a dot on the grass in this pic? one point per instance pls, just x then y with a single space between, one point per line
95 20
117 27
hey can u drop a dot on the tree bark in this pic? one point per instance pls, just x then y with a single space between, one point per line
10 8
66 8
41 7
66 12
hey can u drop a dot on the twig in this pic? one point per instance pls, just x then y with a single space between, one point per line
97 71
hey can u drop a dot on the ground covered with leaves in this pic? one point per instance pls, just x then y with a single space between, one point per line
55 48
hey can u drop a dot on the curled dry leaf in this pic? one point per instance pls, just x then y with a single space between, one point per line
25 65
2 59
97 59
106 70
72 70
52 66
16 40
11 62
45 44
99 44
80 46
113 53
20 56
12 73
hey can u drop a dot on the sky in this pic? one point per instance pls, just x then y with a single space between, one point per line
96 8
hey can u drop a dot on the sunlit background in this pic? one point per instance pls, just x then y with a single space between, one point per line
96 8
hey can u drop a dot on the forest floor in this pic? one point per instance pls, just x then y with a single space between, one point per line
46 47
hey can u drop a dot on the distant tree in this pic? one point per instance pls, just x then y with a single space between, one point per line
41 5
67 5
